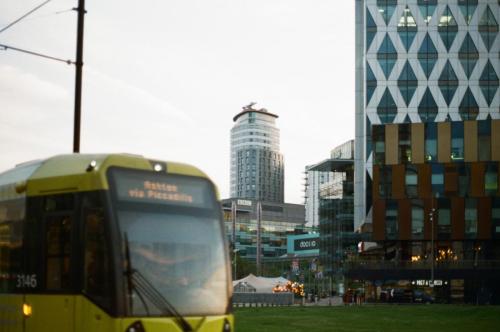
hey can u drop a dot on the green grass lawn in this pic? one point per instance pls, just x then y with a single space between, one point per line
383 318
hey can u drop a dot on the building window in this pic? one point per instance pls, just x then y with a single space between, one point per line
379 144
391 220
447 28
407 83
437 178
495 217
491 179
417 219
427 55
385 182
404 137
430 141
411 180
427 8
428 109
467 7
463 180
371 83
387 108
468 55
457 141
407 28
444 219
448 82
484 140
468 108
470 218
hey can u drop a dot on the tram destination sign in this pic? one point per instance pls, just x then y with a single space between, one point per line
306 244
142 187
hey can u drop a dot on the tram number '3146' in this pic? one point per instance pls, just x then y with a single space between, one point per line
26 281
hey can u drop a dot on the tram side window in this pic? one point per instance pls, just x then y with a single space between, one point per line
11 241
58 223
96 258
58 244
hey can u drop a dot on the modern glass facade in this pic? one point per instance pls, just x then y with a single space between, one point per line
422 61
317 180
257 167
427 112
278 221
338 239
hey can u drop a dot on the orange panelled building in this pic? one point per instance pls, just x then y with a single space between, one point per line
436 200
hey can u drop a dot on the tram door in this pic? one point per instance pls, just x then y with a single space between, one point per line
53 307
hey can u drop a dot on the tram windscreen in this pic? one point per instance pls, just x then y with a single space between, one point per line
174 241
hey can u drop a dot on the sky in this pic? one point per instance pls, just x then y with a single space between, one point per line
164 79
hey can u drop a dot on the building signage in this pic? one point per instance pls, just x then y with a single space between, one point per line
306 244
428 283
244 202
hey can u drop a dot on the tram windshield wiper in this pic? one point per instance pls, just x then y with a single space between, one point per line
143 287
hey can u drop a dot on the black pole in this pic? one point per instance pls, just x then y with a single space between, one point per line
78 76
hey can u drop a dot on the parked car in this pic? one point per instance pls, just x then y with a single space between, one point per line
400 295
419 296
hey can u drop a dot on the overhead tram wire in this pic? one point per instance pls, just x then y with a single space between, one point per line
7 47
25 15
50 14
78 63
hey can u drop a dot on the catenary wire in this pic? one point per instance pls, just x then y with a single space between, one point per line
7 47
25 15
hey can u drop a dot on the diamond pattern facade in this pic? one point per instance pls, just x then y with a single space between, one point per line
447 28
407 28
489 82
429 60
488 28
448 83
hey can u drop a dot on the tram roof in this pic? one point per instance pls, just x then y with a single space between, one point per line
74 172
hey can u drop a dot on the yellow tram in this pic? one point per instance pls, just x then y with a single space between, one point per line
113 242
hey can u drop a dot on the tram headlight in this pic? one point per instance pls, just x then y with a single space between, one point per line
92 165
27 310
226 327
135 327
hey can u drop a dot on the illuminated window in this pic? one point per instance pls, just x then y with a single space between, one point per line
430 141
404 142
491 179
457 141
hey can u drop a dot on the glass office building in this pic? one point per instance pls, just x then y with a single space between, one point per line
257 168
278 220
427 151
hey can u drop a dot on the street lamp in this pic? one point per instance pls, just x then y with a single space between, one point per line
234 261
431 218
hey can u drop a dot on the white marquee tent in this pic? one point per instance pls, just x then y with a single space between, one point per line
260 284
